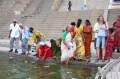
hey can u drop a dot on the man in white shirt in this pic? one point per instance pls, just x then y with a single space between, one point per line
95 31
14 35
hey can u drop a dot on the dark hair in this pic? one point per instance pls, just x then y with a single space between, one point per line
79 22
88 22
52 41
31 29
102 18
73 23
111 30
67 27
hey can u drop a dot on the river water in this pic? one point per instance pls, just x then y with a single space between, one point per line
15 67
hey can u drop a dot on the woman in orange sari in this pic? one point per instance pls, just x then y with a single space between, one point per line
87 32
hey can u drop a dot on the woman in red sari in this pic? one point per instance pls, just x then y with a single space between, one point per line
117 33
87 31
44 51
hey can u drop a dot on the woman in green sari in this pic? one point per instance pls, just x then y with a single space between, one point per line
55 47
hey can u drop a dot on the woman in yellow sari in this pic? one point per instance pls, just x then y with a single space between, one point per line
80 49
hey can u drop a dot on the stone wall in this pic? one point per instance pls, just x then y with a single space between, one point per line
56 5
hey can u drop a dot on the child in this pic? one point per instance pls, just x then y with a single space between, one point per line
109 44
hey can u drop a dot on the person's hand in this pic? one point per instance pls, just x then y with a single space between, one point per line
96 31
20 39
68 47
46 50
101 27
72 41
36 42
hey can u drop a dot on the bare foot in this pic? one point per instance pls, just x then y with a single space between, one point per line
67 63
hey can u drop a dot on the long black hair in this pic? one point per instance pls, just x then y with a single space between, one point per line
73 23
88 21
79 22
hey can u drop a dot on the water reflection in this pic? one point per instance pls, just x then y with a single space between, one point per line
17 69
66 72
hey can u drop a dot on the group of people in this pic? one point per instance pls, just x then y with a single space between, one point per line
106 39
28 37
74 44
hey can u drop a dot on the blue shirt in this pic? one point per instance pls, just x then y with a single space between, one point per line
101 32
26 34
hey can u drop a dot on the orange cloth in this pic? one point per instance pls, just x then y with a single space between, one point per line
72 30
88 39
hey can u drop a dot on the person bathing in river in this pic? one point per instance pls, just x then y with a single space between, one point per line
55 47
67 46
44 51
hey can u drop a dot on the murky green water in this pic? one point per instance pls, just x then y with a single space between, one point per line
17 69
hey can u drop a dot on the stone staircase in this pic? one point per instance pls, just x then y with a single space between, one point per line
21 5
44 6
32 7
112 16
78 4
50 22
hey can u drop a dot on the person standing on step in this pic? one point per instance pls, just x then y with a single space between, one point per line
67 46
116 26
38 37
87 32
95 30
14 35
109 44
44 51
24 35
101 37
69 5
79 53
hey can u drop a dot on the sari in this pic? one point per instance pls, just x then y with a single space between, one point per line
56 51
117 34
44 52
80 49
72 30
65 52
88 40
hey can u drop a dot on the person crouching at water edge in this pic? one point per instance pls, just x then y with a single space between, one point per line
67 46
38 37
55 47
44 51
24 35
